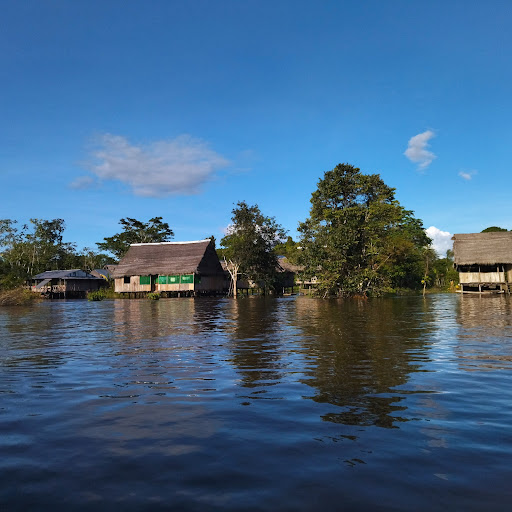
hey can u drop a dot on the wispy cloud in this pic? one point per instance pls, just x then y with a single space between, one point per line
467 175
441 240
417 151
83 182
178 166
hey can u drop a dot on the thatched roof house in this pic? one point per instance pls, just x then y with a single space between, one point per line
170 267
484 260
483 248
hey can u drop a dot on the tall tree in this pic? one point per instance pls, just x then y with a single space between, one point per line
26 251
358 235
249 244
135 231
287 249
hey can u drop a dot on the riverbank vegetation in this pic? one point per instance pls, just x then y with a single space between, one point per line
18 297
357 240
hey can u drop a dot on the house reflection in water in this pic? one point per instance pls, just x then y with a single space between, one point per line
485 338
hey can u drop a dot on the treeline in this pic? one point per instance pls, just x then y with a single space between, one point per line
357 240
38 246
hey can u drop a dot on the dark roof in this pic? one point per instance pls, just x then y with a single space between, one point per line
169 258
101 272
482 248
74 273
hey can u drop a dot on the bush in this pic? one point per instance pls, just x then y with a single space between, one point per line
96 295
153 296
18 297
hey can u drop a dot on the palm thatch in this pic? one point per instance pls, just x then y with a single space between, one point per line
169 258
483 248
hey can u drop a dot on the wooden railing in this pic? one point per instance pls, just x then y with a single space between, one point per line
481 277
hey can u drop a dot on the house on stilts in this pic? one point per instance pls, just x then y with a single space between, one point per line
66 284
171 269
484 261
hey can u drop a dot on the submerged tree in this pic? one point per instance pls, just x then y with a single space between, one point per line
249 245
358 238
135 231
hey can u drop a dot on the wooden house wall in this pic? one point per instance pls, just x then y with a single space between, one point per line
82 285
177 287
70 285
133 286
481 277
215 283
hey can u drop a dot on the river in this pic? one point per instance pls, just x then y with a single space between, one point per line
292 404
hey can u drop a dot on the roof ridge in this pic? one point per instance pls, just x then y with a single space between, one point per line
171 243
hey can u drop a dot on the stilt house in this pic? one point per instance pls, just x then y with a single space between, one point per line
484 261
74 283
171 268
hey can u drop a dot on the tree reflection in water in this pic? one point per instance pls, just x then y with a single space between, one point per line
358 352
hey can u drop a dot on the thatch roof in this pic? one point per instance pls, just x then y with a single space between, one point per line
483 248
169 258
287 266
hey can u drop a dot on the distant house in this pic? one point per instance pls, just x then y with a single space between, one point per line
102 273
293 273
484 261
74 283
184 268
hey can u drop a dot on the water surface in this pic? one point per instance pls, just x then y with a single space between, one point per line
292 404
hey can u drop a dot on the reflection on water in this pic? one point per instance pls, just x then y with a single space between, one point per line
257 404
485 341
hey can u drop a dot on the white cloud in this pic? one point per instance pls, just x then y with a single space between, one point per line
417 151
467 175
441 240
83 182
163 168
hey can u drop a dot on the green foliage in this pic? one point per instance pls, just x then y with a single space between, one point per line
250 243
442 273
135 231
18 297
96 295
288 249
153 296
32 249
358 239
35 248
493 229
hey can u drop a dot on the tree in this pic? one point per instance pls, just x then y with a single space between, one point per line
26 252
493 229
135 231
358 239
287 249
249 245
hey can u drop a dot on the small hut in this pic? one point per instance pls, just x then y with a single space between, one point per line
170 268
74 283
484 261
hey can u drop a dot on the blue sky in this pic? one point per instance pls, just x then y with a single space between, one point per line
180 109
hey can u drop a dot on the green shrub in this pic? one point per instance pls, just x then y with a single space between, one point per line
153 296
18 297
96 295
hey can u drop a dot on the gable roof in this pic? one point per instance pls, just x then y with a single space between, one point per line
169 258
482 248
74 273
101 272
